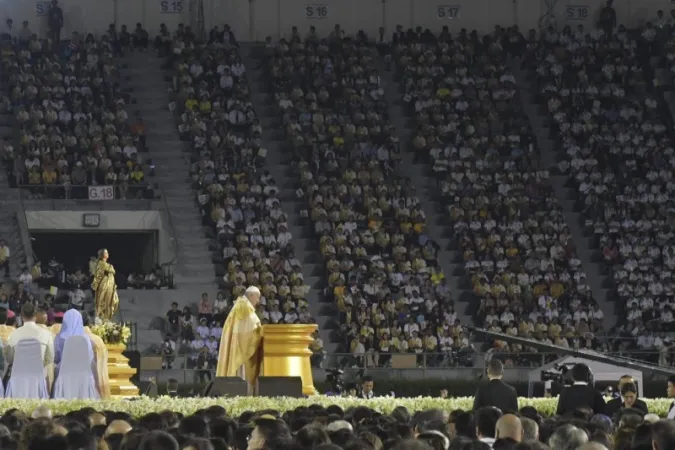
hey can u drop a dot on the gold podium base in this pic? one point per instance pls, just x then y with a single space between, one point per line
286 353
119 373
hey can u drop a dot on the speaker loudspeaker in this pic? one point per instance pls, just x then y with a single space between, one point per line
280 387
226 387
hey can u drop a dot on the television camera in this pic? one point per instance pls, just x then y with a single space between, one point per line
334 380
561 374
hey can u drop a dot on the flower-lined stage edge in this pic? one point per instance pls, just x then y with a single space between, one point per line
112 332
236 405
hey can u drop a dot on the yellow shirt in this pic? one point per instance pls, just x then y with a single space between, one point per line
5 331
191 103
437 277
538 289
34 177
339 291
557 289
49 177
137 175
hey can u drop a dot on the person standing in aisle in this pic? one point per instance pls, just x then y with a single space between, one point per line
55 19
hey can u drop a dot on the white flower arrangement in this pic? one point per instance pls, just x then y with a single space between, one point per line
236 405
112 332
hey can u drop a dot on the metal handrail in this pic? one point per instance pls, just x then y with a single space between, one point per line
425 355
133 339
81 186
179 362
93 204
173 239
31 257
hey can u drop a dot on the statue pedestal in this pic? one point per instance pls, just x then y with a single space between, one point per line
286 353
120 373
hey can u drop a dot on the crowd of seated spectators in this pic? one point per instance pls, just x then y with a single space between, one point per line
615 146
196 335
152 279
333 428
381 266
516 248
69 109
236 196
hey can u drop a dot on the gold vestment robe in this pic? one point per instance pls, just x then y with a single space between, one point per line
240 343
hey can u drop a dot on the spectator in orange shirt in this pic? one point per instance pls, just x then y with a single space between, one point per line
138 130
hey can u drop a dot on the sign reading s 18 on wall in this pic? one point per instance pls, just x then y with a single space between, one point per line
171 6
447 12
576 12
316 11
42 8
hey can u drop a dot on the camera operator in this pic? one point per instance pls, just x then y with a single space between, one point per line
168 352
628 398
334 379
581 394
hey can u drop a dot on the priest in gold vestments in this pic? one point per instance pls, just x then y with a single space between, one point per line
105 288
240 353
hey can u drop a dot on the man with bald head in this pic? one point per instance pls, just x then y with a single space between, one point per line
240 353
42 412
117 427
592 446
41 318
509 427
530 429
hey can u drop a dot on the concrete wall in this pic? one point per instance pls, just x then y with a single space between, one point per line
109 221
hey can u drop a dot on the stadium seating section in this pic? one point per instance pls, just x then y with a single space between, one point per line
609 122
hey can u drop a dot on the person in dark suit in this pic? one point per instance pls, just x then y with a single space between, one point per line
399 36
671 394
581 394
663 435
496 393
367 386
629 398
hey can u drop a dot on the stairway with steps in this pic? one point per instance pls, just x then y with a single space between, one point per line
424 181
194 270
305 246
12 207
194 266
586 249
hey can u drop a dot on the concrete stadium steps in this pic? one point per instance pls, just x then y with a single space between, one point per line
194 271
148 309
11 207
305 245
149 89
586 248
